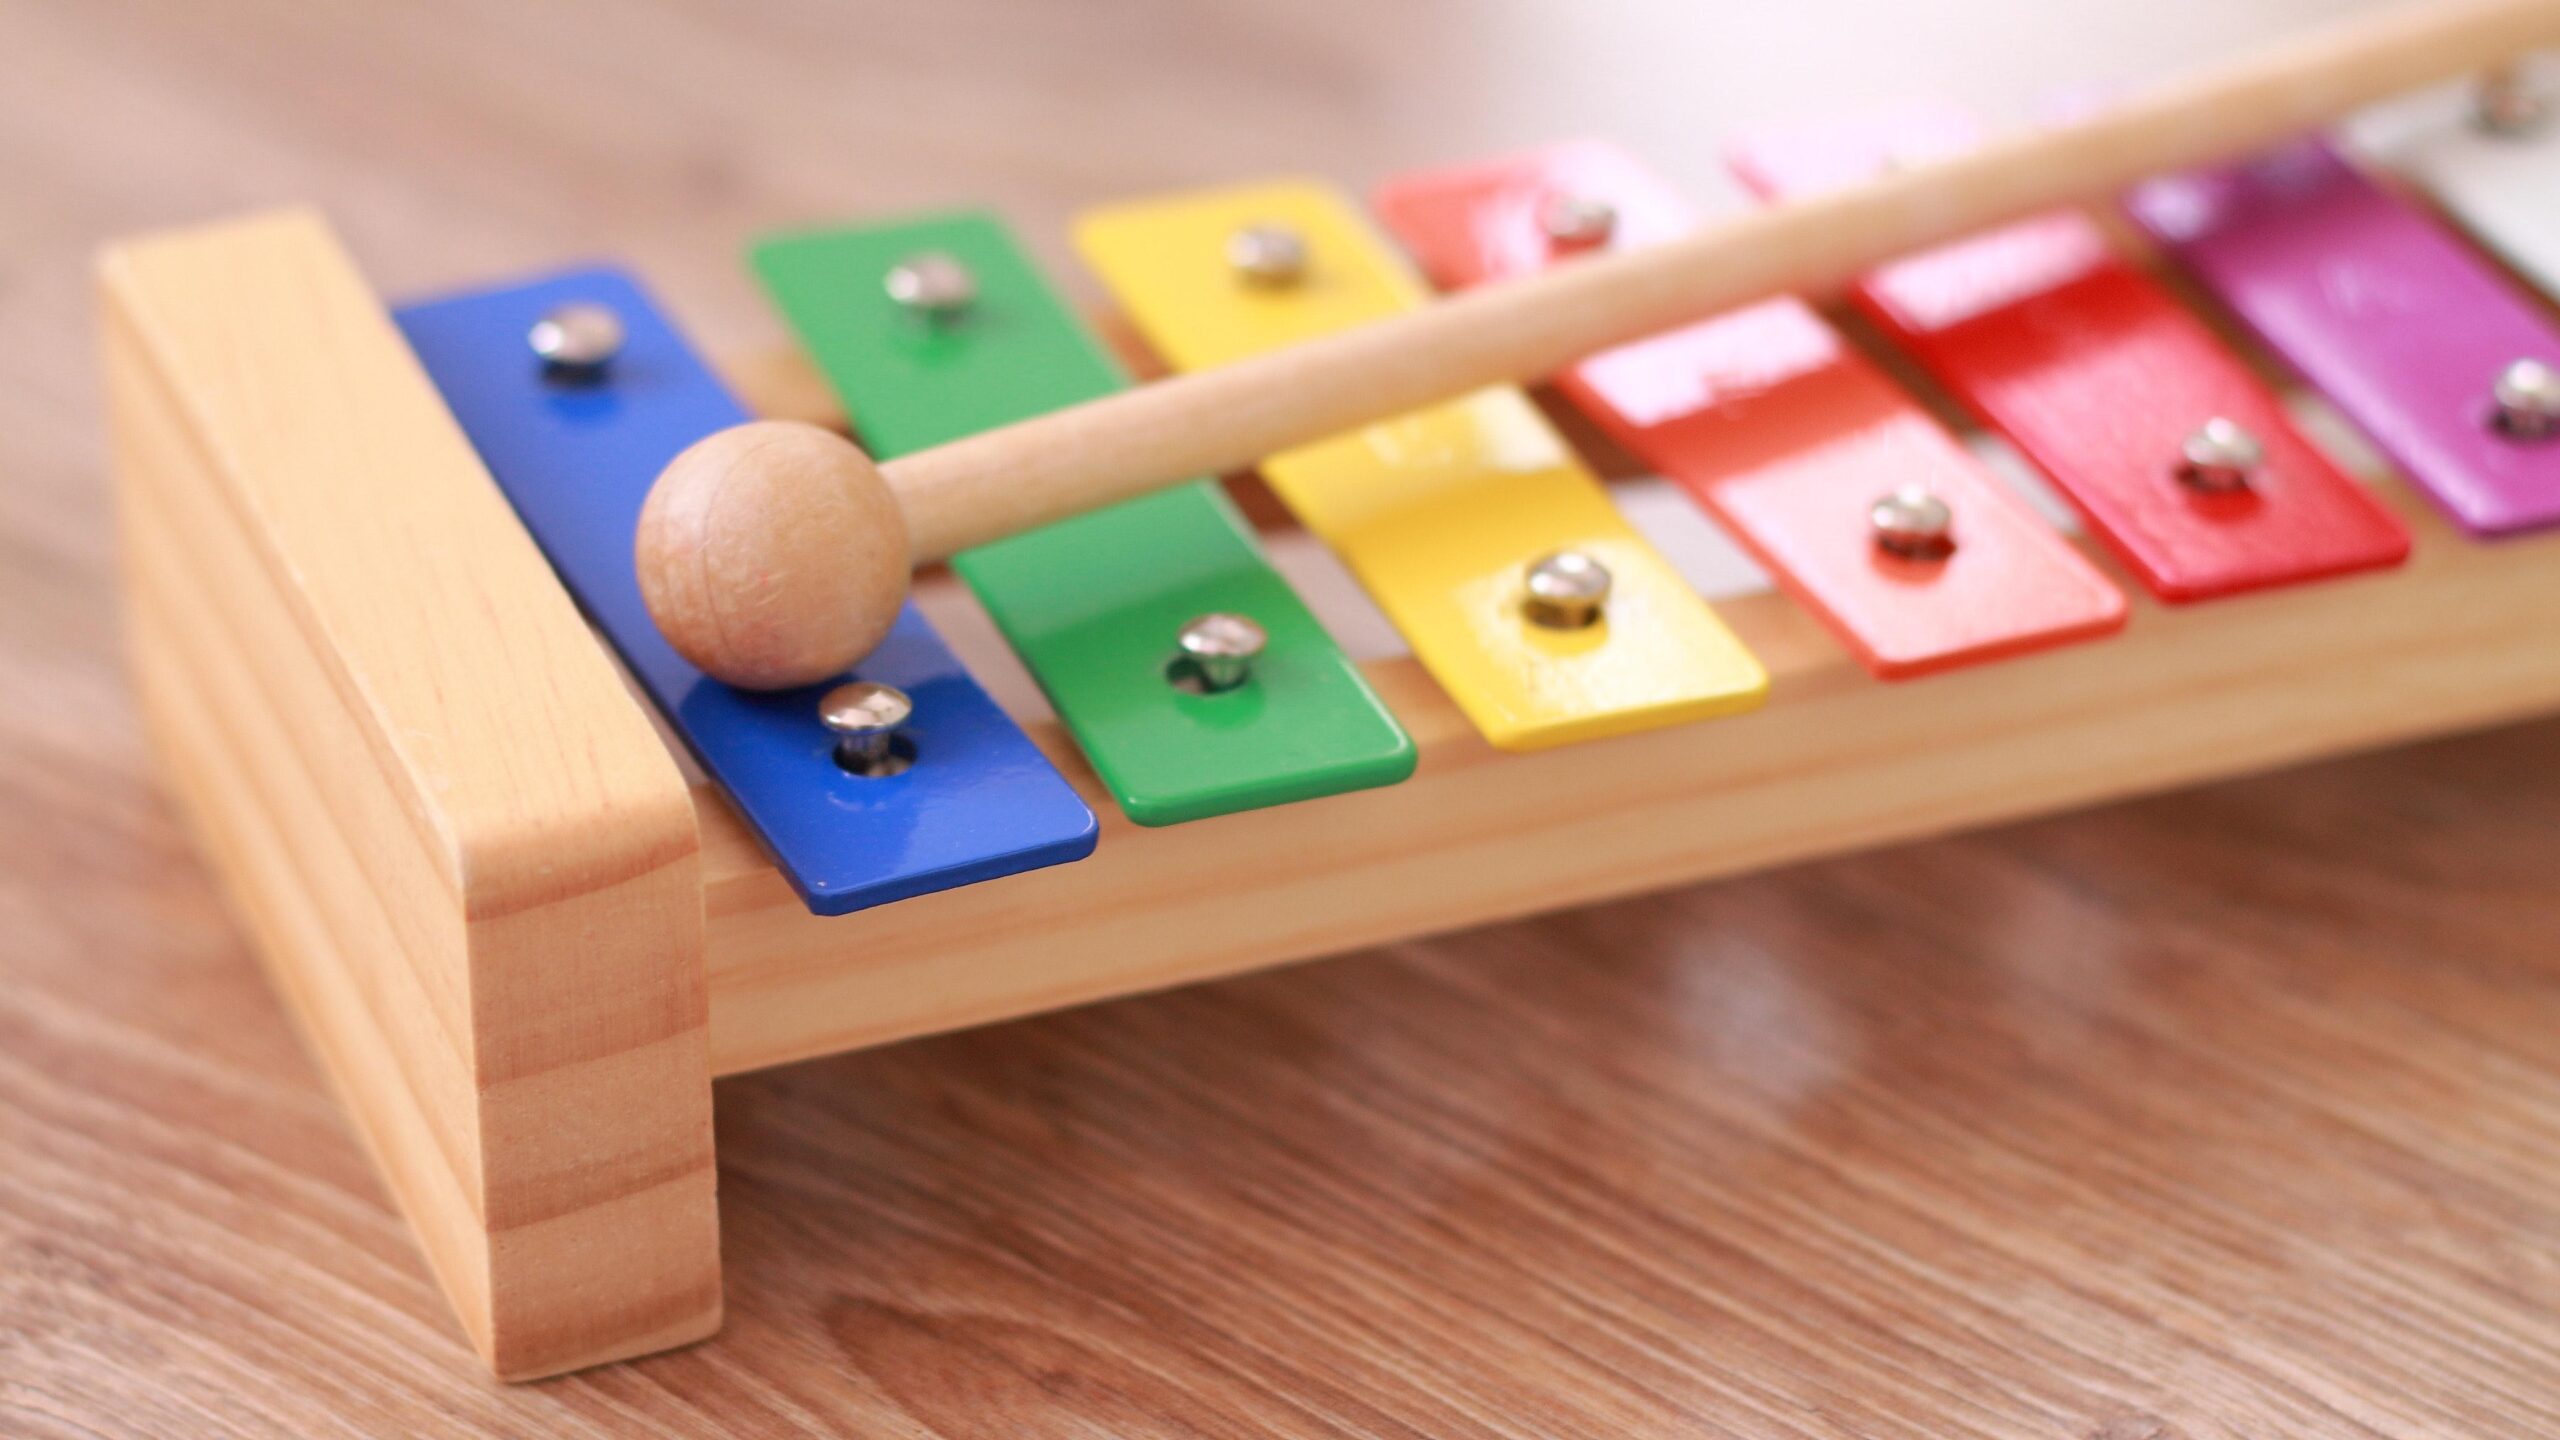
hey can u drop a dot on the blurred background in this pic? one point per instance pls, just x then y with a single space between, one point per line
453 143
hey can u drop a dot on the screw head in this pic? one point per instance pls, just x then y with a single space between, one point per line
933 284
1567 590
2509 104
577 340
1268 256
1218 650
865 716
1914 523
2528 396
1577 222
2220 457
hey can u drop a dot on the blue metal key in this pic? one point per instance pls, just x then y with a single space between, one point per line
576 455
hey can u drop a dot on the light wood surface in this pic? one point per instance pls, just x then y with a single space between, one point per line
745 574
471 866
2233 1113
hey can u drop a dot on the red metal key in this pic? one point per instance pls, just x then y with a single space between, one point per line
1777 427
2183 462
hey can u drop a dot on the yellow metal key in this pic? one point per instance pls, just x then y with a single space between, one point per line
1519 586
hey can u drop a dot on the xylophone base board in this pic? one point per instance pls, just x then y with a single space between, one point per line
1836 761
521 947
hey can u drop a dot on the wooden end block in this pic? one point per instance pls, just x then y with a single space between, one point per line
472 867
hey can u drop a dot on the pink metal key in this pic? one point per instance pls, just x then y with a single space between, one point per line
1783 432
2404 327
2182 461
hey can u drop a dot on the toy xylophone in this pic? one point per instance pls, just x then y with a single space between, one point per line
529 893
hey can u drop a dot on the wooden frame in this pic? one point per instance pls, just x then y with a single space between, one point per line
474 871
471 866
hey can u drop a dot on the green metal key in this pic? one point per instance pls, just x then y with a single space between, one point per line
1095 606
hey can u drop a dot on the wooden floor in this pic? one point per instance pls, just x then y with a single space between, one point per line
2233 1113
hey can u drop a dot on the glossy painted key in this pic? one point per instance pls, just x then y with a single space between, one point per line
1095 605
2502 184
1780 429
2102 379
1439 514
577 458
2403 326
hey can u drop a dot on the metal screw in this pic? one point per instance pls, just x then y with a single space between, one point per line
1272 257
2528 396
1218 651
1567 590
1914 523
866 717
2220 457
2507 103
1575 222
578 340
934 284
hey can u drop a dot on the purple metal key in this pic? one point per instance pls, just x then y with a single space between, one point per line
2405 328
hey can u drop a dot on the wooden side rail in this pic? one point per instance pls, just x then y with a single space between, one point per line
472 868
2458 638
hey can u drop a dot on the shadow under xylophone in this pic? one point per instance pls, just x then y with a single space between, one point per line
523 940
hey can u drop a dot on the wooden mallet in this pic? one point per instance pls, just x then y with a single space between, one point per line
776 554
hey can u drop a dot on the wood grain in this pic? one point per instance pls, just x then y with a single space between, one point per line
2234 1113
471 865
